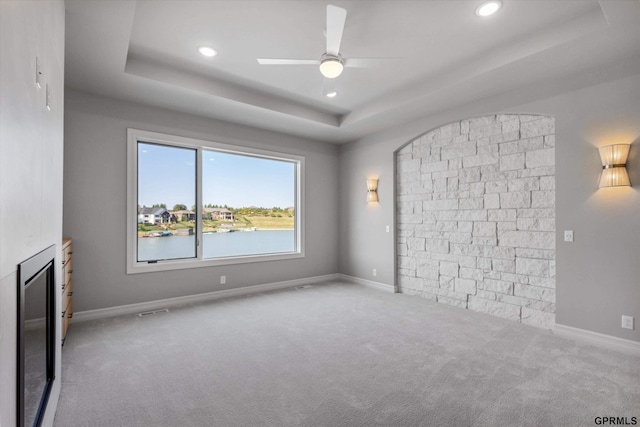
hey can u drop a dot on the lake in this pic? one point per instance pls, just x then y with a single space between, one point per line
217 245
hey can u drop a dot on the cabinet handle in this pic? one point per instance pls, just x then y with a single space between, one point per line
70 293
70 271
71 253
70 315
63 262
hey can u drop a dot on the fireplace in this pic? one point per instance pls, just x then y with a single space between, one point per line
36 336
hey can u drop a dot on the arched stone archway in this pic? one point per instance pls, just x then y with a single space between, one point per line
476 216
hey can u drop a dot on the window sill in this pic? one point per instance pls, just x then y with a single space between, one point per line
181 264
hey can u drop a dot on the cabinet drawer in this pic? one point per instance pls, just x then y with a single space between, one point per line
66 285
66 319
67 271
67 313
66 295
67 251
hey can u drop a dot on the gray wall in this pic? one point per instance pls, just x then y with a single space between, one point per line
31 148
598 276
95 204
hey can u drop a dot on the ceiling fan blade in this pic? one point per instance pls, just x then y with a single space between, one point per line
366 62
336 17
266 61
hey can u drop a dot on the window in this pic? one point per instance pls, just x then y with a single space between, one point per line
166 175
194 203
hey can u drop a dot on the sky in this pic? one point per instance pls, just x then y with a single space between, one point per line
167 175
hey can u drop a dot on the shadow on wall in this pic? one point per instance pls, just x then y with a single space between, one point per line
633 164
475 204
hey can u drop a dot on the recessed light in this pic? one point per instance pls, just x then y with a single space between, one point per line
331 94
207 51
489 8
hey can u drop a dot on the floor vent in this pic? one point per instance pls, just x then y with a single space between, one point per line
152 312
303 287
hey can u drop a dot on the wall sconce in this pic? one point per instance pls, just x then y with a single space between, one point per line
372 190
614 160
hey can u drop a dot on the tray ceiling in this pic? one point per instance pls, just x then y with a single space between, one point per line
440 55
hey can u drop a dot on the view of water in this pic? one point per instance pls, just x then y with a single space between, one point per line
217 245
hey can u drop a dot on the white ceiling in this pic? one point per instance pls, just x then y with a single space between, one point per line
441 56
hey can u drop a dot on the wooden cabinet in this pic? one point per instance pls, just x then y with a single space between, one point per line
67 285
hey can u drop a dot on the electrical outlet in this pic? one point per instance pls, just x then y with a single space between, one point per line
627 322
223 280
375 272
568 235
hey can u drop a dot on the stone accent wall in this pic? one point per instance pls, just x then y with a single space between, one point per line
476 216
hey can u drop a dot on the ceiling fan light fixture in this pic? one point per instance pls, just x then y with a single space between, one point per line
489 8
331 67
207 51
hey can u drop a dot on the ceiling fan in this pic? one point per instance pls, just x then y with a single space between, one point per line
331 62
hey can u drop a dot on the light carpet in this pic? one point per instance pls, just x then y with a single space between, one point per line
335 354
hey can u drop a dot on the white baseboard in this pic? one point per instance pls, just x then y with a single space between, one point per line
601 340
368 283
188 299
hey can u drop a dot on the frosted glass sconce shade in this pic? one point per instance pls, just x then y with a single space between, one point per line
614 172
372 190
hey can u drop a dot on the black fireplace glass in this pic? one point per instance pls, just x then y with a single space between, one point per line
36 336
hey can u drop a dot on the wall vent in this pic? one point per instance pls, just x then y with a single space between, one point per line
152 312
